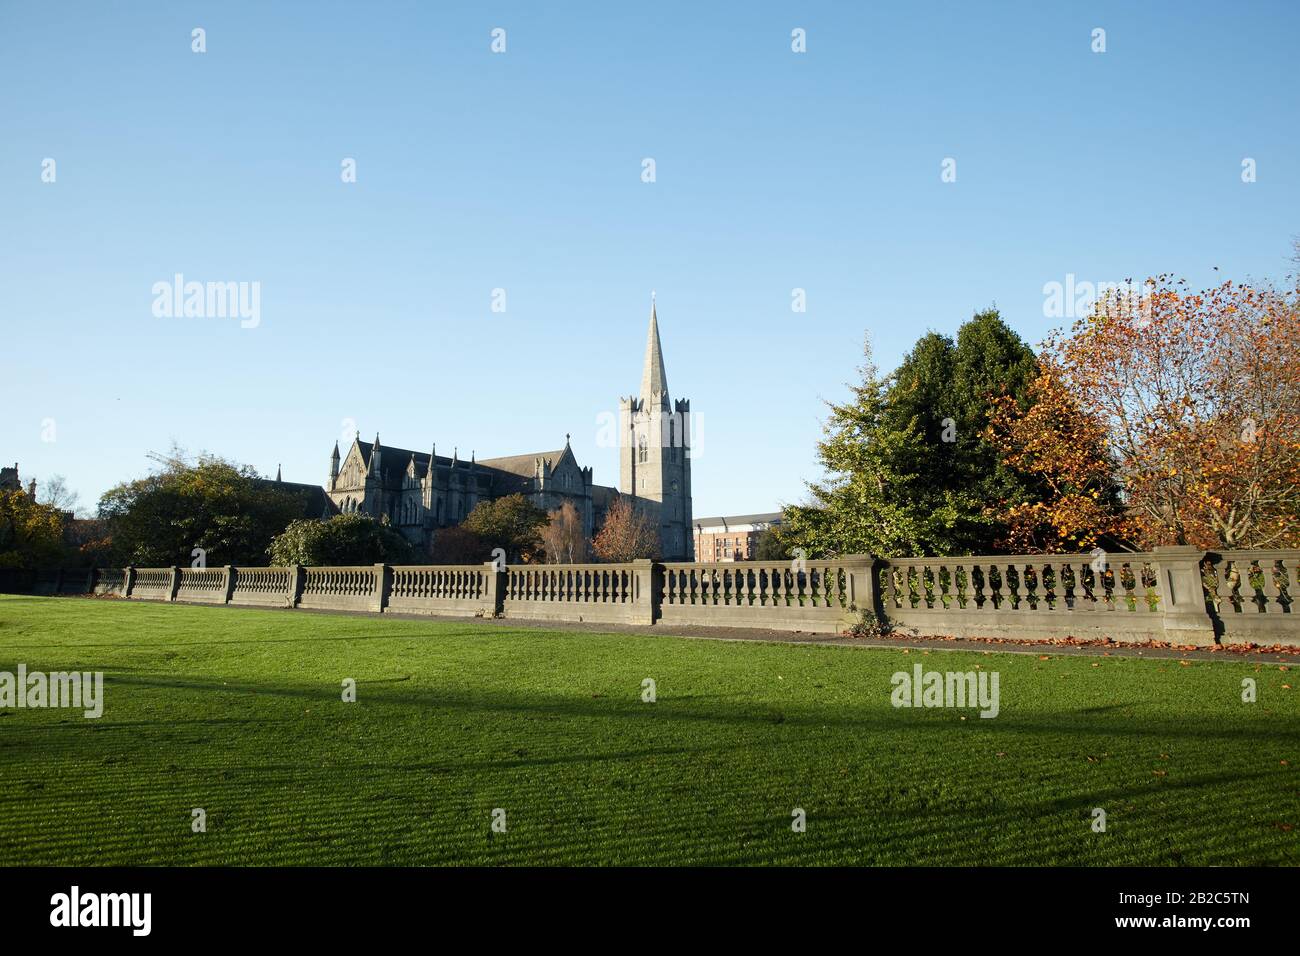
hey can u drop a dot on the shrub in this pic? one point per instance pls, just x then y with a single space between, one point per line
341 540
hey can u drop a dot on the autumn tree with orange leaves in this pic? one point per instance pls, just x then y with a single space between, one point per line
628 533
1173 418
1063 444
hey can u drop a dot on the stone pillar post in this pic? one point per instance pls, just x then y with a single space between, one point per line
383 584
128 581
645 594
863 593
230 582
494 592
1182 596
175 583
297 581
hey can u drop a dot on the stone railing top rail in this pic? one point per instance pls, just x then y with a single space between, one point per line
1264 555
785 563
590 566
1111 557
441 567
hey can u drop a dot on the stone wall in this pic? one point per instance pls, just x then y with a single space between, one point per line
605 593
1180 595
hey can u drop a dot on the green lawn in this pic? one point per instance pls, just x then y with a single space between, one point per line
240 713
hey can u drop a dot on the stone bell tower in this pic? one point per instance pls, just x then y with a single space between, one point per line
655 452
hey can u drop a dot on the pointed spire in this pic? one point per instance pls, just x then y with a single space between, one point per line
277 472
433 460
335 456
654 380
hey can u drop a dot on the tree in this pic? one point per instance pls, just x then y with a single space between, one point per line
211 504
347 539
768 546
910 469
54 491
863 504
1062 443
627 535
943 392
87 543
512 523
563 537
31 534
1196 403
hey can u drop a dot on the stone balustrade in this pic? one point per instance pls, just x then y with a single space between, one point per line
151 584
471 591
1181 595
343 589
791 596
203 585
607 593
1014 596
263 587
1252 594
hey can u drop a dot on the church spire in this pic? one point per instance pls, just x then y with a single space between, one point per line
654 380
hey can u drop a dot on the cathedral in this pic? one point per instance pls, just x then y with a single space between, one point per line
420 492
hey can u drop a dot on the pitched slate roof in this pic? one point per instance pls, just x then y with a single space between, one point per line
769 517
525 465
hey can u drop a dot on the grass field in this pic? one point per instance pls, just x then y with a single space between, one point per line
240 713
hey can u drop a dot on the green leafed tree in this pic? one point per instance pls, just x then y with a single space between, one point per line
909 468
512 523
346 539
768 546
31 534
212 504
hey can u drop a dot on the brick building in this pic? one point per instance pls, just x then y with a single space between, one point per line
731 538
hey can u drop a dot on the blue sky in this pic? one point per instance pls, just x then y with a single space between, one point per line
522 171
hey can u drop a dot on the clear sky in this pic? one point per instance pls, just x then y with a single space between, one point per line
522 171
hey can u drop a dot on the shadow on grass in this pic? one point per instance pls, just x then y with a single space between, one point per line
877 718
